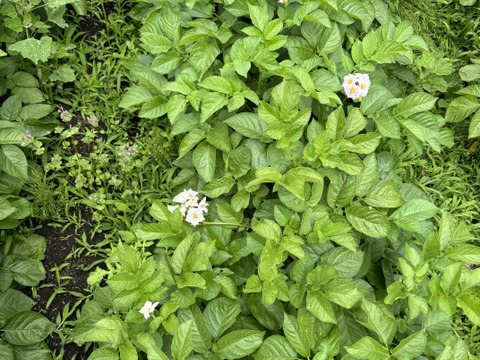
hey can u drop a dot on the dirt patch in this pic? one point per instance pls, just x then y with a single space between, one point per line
60 244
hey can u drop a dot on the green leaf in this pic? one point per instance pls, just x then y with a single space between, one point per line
249 125
341 191
342 293
319 306
13 301
26 271
347 262
470 72
182 341
362 144
469 254
164 63
367 348
204 160
11 108
295 335
411 347
134 96
199 259
258 16
6 351
355 123
451 277
381 320
218 187
35 50
384 195
461 107
239 161
276 347
474 128
27 328
218 84
6 209
64 73
219 137
413 211
368 221
415 103
203 54
154 107
104 354
220 314
36 111
238 344
13 161
212 102
471 306
21 78
190 141
269 316
129 257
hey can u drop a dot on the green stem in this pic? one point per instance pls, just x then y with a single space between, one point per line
224 223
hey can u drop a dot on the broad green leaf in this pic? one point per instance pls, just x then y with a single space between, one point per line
129 257
204 160
451 277
33 49
461 107
218 187
342 191
471 306
220 314
239 161
384 195
295 335
176 106
249 125
347 262
218 84
470 72
212 102
269 316
342 293
381 320
13 161
13 301
104 354
276 347
362 144
238 344
219 137
413 211
203 54
6 208
415 103
469 254
182 341
368 348
190 141
6 351
368 221
11 108
474 128
26 328
154 107
319 306
411 347
134 96
198 260
355 123
258 16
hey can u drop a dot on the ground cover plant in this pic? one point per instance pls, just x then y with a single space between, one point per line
266 187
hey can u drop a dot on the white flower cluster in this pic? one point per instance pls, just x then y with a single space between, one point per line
190 206
356 86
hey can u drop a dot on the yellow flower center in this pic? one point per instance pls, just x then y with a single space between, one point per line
360 98
195 216
352 90
349 81
363 86
149 310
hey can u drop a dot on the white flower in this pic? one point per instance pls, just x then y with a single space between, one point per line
203 205
187 197
148 308
195 216
183 208
180 198
356 86
282 1
172 208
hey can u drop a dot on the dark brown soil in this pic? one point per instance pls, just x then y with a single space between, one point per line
60 244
